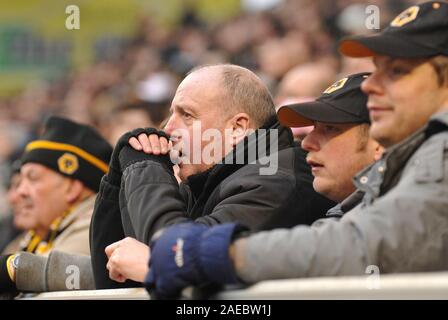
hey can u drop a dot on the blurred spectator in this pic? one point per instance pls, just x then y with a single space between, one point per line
304 83
12 138
53 199
128 117
59 178
277 56
13 221
352 65
305 80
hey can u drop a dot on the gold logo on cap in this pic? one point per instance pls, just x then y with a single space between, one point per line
68 163
405 17
336 86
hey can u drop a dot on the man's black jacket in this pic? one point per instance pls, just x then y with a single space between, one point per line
150 198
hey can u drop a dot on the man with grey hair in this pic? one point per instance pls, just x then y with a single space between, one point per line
250 172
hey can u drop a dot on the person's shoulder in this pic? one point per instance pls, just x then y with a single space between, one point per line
429 162
440 136
75 238
438 141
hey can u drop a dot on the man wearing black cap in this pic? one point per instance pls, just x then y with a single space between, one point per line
339 116
410 83
60 176
401 224
338 147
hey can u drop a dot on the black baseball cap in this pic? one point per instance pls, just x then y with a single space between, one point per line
342 102
418 32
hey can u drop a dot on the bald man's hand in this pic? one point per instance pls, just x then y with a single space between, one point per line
150 144
146 143
128 259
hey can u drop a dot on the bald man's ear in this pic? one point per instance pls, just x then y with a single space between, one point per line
240 125
75 189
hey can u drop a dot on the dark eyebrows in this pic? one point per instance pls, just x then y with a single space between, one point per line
388 61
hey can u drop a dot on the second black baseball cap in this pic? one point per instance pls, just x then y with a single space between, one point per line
420 31
342 102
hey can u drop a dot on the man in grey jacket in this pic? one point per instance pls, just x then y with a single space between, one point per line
401 224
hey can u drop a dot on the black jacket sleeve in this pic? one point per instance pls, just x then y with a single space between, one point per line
150 199
105 228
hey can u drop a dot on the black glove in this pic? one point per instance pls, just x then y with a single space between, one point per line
115 169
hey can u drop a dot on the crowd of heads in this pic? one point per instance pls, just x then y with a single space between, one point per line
232 81
283 45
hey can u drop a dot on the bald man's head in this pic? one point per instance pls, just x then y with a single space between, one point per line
242 91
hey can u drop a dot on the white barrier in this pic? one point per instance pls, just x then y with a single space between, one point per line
399 286
403 286
111 294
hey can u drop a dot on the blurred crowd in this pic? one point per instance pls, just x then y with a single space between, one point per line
290 44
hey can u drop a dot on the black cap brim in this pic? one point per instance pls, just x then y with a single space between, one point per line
383 44
305 114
